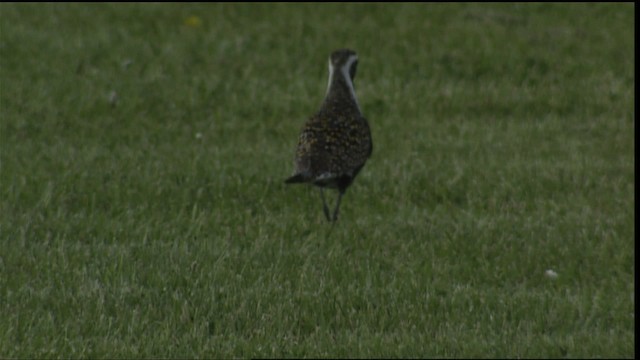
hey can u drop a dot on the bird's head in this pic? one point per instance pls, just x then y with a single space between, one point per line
344 60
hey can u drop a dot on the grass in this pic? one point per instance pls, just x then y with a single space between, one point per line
144 147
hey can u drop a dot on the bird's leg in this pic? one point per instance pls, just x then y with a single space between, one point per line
335 211
325 208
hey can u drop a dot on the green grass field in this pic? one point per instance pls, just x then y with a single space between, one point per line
143 211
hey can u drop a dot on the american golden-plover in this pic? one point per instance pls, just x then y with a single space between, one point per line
335 142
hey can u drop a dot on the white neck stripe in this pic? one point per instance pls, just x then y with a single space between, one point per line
330 77
344 70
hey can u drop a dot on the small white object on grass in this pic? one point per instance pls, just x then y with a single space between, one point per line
113 98
198 135
551 274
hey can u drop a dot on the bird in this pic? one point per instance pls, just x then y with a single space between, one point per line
335 142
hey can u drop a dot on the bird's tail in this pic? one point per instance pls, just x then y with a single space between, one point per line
297 178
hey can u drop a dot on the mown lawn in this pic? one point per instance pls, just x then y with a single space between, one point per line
143 213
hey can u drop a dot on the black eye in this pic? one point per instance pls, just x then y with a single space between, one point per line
352 70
